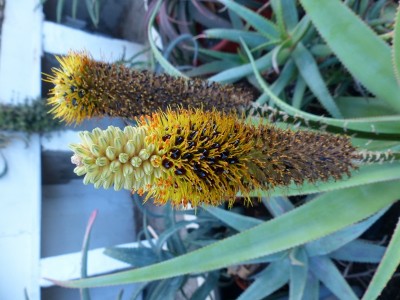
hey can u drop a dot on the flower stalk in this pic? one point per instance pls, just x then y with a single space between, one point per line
194 156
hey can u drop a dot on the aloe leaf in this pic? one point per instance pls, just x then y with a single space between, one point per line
366 174
387 267
298 94
278 205
211 68
298 273
310 72
324 269
207 287
359 251
137 257
290 14
387 124
170 69
253 39
311 291
219 55
273 277
358 107
59 10
74 8
261 24
93 8
85 294
278 12
171 230
268 258
338 239
365 55
262 63
331 211
236 221
396 45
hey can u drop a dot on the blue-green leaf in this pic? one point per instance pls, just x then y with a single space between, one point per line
261 24
364 53
275 275
338 239
298 273
309 71
387 267
324 215
325 270
359 251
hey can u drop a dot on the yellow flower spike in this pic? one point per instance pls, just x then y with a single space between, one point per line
102 161
130 147
193 156
84 88
110 152
127 170
80 170
108 165
136 161
123 157
95 149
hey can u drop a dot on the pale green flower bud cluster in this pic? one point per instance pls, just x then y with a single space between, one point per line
119 158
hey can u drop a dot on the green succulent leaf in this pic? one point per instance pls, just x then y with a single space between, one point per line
234 220
137 257
278 205
261 24
356 45
340 238
359 251
325 270
384 124
324 215
210 283
311 291
273 277
253 39
298 273
366 174
234 74
361 107
387 267
310 72
396 45
170 69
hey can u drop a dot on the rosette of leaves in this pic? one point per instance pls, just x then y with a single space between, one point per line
300 65
308 269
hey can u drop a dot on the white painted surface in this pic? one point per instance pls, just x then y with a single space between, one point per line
59 39
20 194
60 140
20 188
21 40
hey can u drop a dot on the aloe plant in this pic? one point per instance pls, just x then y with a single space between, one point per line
340 211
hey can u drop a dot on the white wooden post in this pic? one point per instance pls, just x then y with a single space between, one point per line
20 189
